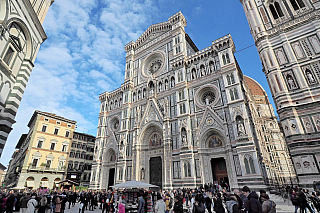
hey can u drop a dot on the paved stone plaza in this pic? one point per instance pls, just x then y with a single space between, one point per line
282 207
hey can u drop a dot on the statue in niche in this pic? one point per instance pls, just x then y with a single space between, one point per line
172 82
151 91
184 137
291 83
166 85
194 75
121 149
241 130
166 108
138 113
203 73
211 67
144 93
139 95
207 101
310 77
142 174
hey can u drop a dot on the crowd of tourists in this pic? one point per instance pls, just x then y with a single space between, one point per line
208 199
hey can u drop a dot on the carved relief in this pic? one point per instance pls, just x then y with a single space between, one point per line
298 50
237 165
316 121
307 124
281 56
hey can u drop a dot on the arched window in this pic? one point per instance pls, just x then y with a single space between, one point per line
246 164
172 82
228 79
235 91
120 174
166 84
18 37
134 97
249 164
224 59
227 58
297 4
231 94
160 87
139 95
276 10
232 78
253 170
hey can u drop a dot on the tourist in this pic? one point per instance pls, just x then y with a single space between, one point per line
232 204
251 204
198 206
218 206
10 203
268 206
142 205
208 201
121 208
23 203
43 204
32 204
237 194
294 200
58 204
178 207
160 205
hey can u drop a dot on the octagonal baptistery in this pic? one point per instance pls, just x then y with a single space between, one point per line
180 119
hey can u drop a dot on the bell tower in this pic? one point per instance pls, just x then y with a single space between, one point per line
286 34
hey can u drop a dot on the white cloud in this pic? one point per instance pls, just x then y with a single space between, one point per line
82 57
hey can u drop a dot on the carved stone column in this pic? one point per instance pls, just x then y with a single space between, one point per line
167 156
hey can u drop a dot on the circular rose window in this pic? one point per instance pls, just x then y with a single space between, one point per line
153 64
114 123
207 96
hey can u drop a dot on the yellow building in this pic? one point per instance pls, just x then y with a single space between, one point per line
43 153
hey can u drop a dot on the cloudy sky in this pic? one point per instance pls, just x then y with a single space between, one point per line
84 53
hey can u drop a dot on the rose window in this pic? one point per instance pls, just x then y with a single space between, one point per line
208 97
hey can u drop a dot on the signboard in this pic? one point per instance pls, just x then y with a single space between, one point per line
74 176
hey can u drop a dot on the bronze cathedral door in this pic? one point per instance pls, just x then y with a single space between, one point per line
156 171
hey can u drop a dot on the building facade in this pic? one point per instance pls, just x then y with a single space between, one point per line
286 34
184 117
42 155
81 158
21 35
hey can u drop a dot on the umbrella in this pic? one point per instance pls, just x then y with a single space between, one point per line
133 184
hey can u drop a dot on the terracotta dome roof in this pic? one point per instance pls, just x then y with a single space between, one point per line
254 87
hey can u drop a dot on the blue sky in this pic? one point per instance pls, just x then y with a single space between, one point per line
84 53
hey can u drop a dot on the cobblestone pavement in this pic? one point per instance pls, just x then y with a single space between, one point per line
282 206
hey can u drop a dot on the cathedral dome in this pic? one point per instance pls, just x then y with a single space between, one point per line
254 87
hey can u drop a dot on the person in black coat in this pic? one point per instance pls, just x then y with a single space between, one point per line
10 203
218 207
177 208
252 205
208 203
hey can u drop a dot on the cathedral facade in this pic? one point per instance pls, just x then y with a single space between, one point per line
286 34
184 117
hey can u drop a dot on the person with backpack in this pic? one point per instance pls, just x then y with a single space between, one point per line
251 204
232 203
268 206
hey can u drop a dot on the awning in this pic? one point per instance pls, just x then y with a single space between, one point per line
30 183
45 184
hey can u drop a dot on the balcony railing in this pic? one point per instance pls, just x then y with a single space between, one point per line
47 169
